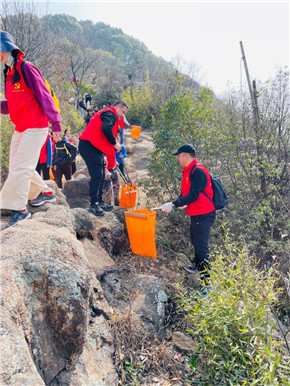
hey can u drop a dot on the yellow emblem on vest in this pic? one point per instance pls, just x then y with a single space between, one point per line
16 86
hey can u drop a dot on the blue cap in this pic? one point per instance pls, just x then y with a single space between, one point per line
7 42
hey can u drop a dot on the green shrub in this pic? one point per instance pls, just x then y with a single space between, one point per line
7 130
238 342
71 119
143 103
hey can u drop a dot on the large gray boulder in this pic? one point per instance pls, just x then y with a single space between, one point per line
77 192
54 317
143 295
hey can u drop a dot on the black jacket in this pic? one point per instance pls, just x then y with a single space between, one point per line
64 152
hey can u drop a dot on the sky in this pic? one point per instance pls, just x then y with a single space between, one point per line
205 33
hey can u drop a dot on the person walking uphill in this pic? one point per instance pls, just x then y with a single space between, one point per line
30 109
196 184
97 140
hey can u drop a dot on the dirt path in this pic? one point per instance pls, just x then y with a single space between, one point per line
137 163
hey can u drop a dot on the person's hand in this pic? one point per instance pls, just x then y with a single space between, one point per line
108 175
117 147
105 162
56 136
167 207
182 207
54 167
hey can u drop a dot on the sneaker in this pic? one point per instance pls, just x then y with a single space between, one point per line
106 207
191 268
96 210
18 215
204 291
42 199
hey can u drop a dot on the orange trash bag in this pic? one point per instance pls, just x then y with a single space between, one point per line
136 131
128 196
141 230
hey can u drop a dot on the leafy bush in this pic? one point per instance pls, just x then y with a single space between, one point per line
7 130
238 342
143 103
183 119
71 119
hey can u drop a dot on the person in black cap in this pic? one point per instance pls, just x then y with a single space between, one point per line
196 180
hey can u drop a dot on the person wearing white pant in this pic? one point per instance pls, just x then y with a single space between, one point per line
23 182
31 107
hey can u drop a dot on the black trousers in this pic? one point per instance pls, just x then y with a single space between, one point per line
45 170
93 158
73 167
62 170
199 231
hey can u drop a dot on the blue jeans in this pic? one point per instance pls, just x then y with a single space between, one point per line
121 136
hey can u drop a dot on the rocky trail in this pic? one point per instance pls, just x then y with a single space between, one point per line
77 305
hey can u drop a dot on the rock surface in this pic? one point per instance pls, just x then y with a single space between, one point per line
53 312
183 342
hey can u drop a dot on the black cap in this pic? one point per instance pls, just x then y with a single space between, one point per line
185 148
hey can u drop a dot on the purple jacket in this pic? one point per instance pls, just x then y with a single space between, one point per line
39 89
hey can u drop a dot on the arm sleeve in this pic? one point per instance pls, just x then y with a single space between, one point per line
4 107
126 122
49 152
123 150
72 148
109 119
198 182
36 83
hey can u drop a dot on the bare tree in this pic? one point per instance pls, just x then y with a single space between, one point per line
21 21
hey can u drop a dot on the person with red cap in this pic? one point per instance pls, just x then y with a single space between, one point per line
31 108
98 140
196 197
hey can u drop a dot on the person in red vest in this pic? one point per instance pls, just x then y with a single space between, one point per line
97 140
45 159
122 122
195 180
31 108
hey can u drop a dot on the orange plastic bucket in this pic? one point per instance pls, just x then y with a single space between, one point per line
141 230
136 131
128 196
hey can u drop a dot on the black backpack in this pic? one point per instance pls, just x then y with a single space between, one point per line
220 198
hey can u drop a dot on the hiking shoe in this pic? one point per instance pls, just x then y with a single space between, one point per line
191 269
204 291
18 215
96 210
105 207
42 199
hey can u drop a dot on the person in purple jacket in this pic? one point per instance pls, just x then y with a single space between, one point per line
31 108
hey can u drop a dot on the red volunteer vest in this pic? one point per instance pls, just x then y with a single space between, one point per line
24 109
94 134
202 205
121 123
43 152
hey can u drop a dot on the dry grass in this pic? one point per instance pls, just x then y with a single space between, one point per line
140 357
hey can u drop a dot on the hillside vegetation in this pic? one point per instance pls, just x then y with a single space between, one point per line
250 240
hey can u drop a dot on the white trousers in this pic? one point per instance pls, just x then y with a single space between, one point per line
23 182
